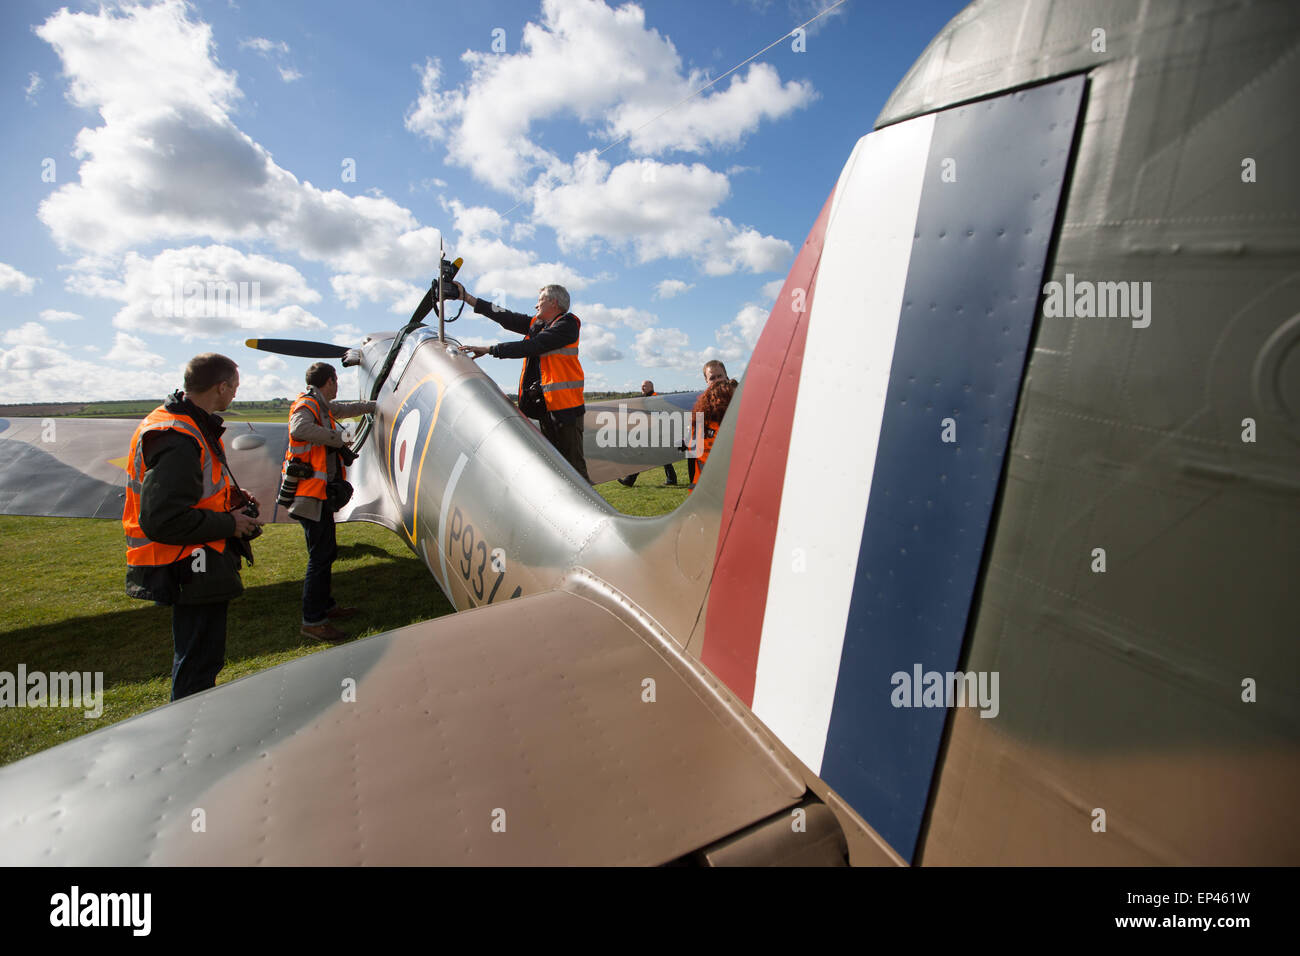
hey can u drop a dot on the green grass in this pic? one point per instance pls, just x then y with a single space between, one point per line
63 607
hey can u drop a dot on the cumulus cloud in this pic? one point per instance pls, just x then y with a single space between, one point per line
614 74
665 348
603 66
352 290
29 334
33 86
54 315
658 210
49 374
771 290
169 163
736 339
599 344
272 363
670 288
133 352
627 316
204 290
11 280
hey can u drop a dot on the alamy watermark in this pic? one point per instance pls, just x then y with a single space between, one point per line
75 908
221 298
646 429
923 688
1085 299
55 689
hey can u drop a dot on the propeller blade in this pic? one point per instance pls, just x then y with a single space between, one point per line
298 348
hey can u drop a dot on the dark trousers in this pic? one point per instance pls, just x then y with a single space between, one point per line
670 476
567 439
690 470
199 639
322 549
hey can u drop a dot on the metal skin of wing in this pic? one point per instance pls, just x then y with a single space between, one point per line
929 470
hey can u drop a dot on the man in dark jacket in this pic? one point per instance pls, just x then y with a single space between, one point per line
182 517
551 384
670 474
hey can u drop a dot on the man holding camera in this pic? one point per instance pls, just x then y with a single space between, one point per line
186 520
316 440
551 382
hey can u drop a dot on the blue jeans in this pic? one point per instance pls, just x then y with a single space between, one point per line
199 641
322 549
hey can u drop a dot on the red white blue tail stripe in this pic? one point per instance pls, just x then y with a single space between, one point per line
852 533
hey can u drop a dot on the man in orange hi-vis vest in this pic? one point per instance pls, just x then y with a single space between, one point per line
551 382
182 514
316 439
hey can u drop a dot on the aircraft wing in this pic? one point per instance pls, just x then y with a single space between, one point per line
561 727
76 467
630 435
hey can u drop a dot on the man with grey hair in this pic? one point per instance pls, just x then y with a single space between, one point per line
551 383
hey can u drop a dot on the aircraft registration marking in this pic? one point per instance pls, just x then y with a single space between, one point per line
472 546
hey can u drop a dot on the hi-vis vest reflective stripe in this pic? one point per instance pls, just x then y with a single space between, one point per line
562 376
314 455
705 444
217 491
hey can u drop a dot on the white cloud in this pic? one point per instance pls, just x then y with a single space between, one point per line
48 374
11 280
771 290
665 348
401 297
33 86
289 74
598 344
204 290
671 288
659 210
264 46
54 315
30 334
132 351
603 66
272 363
736 339
169 163
626 316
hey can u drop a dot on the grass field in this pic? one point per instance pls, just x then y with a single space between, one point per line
63 607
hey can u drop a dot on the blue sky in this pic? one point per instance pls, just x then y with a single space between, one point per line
315 152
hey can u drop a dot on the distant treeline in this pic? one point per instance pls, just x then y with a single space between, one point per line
125 409
140 407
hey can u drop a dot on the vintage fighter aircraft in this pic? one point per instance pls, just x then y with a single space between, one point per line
1027 410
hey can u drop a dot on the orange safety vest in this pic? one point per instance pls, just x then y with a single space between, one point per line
314 455
562 376
711 429
218 491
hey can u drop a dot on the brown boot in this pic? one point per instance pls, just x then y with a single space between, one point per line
326 632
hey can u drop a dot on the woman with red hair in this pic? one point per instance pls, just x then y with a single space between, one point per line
709 408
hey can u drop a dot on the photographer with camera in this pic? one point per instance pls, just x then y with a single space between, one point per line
315 487
187 522
551 382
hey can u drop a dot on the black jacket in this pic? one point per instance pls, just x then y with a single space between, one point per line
172 486
545 338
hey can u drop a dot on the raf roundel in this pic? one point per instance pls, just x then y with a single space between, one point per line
408 435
